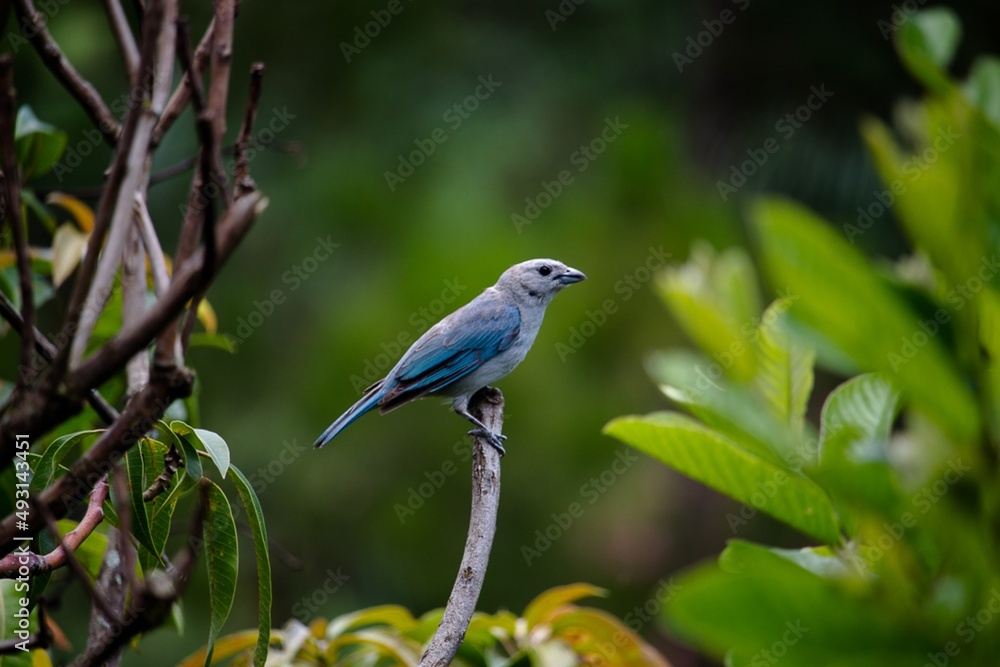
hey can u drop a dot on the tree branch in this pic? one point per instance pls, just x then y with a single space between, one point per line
12 210
487 406
126 42
179 100
242 183
80 88
59 556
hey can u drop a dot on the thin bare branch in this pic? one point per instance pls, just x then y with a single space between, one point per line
125 39
151 243
487 405
222 58
79 88
133 306
242 183
182 95
62 554
12 210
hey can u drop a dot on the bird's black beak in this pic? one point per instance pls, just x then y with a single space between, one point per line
571 276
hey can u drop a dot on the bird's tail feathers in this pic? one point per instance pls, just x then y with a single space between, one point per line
371 398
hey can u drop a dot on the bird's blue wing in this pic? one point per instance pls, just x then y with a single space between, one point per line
476 334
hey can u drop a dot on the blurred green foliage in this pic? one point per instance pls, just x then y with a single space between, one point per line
898 490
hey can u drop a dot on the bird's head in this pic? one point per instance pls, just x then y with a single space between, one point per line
538 280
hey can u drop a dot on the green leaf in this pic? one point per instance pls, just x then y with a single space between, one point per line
714 297
257 528
693 382
785 374
45 469
222 557
192 470
927 42
855 426
207 441
841 296
741 556
716 461
140 518
38 144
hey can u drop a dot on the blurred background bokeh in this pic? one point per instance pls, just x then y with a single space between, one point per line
377 511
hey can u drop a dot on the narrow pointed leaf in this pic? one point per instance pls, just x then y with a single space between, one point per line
222 557
254 514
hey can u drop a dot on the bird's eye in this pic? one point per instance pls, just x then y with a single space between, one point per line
545 269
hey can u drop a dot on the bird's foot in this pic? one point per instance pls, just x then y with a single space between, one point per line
495 439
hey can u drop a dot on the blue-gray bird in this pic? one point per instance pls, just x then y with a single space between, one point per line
473 347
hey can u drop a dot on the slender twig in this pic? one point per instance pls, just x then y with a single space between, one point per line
171 462
133 306
222 58
123 35
487 405
182 95
80 88
59 556
48 351
151 242
12 210
242 183
293 148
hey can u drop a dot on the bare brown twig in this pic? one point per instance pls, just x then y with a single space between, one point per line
57 558
182 95
242 183
80 88
487 406
123 35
